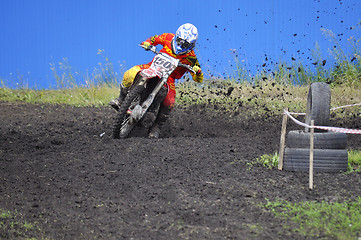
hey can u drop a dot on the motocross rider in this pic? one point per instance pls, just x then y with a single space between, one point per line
179 45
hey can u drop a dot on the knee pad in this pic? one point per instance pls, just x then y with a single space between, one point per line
129 76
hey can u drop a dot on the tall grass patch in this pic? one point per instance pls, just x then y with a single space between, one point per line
341 65
354 160
79 96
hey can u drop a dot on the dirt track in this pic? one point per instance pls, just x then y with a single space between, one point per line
61 169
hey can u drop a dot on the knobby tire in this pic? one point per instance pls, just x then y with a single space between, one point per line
120 122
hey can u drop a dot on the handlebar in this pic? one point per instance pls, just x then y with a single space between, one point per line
150 48
154 49
186 66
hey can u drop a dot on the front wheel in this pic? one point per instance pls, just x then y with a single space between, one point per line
123 126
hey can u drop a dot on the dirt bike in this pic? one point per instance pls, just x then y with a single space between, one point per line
141 105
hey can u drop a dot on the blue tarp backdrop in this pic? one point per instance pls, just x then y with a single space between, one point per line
36 34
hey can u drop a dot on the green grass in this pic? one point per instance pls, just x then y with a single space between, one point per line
80 96
354 161
324 220
13 226
271 161
320 219
244 100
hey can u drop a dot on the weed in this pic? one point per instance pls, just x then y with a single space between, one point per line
347 68
335 220
268 160
271 161
5 214
354 161
13 225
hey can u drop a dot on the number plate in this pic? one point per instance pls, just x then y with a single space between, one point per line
163 63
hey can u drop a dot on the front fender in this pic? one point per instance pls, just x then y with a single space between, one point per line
150 73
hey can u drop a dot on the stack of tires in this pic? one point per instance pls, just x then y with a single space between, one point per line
330 154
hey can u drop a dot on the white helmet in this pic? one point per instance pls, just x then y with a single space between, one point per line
185 39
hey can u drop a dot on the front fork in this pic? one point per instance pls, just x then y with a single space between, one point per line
139 110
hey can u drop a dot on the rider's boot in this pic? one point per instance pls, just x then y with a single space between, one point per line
118 101
162 117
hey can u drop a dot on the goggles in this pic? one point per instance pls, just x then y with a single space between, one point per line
182 43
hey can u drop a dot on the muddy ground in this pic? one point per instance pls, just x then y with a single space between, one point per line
62 171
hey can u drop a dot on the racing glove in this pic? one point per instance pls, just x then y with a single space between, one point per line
145 45
197 70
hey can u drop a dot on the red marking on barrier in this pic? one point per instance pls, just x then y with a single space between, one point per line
334 129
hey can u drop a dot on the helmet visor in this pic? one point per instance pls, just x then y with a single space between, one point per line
182 43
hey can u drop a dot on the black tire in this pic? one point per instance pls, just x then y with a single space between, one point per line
325 140
318 105
123 126
324 160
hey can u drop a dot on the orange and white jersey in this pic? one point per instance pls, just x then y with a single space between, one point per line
189 58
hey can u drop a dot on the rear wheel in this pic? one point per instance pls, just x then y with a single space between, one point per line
123 124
